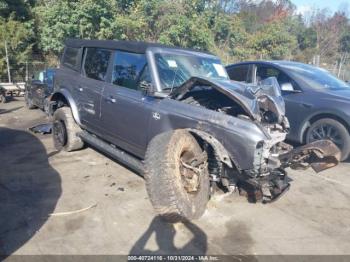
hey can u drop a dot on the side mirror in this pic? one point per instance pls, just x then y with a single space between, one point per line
287 87
146 87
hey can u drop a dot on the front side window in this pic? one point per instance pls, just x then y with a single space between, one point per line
96 63
128 69
285 82
315 77
175 69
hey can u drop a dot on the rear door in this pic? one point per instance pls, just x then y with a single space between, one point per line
125 108
95 74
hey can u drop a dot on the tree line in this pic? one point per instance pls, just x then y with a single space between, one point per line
235 30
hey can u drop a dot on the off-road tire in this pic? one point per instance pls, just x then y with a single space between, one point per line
163 178
29 101
3 99
341 129
72 141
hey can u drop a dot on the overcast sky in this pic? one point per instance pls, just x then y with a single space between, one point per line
334 5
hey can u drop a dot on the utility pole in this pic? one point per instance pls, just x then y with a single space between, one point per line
27 75
8 63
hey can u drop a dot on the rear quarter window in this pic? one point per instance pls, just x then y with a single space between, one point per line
71 57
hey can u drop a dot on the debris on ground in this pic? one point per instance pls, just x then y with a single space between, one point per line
72 212
42 128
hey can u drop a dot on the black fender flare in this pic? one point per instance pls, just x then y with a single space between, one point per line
72 104
220 150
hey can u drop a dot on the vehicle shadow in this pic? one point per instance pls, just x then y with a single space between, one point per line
3 111
165 234
29 188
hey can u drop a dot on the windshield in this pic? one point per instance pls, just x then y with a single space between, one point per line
316 77
175 69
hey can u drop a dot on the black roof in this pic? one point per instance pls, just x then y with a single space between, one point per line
129 46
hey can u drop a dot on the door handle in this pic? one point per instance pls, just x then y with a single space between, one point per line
111 99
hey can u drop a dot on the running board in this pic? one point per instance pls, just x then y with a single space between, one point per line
119 155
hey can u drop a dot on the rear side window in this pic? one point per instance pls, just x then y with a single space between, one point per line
127 68
239 73
264 72
96 63
70 57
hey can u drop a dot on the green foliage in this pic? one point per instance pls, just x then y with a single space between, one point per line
18 36
234 30
71 19
345 42
273 41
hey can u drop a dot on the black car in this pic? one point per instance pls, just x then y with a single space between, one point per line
39 89
317 103
173 115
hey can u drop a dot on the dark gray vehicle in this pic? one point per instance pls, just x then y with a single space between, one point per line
38 90
317 103
173 115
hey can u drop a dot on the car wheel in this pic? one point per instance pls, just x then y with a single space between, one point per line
177 178
3 99
65 131
333 130
29 101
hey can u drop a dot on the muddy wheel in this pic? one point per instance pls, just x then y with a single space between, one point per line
29 101
333 130
65 130
177 178
3 98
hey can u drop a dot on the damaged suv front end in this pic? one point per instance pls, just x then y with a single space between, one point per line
250 128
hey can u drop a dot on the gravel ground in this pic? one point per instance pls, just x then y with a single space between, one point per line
37 184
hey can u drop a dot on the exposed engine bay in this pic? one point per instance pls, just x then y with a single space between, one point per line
263 105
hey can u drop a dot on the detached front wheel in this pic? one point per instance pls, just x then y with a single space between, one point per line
65 131
176 174
333 130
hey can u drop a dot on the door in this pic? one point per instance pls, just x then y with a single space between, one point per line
91 85
125 107
292 95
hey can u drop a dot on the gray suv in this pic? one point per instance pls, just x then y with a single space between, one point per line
173 115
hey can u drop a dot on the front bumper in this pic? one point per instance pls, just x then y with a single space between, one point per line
269 186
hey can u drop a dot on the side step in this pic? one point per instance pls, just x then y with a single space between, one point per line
121 156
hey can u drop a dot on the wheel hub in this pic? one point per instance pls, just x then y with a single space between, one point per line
59 132
326 132
191 169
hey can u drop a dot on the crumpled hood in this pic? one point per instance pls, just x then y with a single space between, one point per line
251 97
